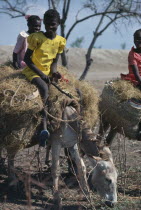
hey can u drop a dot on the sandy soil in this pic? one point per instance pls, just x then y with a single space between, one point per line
107 64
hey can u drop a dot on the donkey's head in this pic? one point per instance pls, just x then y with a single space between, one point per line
104 176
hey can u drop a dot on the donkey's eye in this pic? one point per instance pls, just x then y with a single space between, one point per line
109 181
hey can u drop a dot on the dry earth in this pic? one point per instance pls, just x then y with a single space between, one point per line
107 64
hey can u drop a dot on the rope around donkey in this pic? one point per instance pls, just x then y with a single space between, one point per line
59 119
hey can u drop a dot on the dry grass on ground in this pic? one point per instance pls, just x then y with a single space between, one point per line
30 167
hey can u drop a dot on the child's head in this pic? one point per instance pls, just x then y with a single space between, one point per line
34 24
51 20
137 38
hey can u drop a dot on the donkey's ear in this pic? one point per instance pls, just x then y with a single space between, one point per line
106 153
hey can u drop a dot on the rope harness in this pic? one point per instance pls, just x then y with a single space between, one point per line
58 88
68 95
78 119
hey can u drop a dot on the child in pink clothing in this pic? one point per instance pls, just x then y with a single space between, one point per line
34 25
134 61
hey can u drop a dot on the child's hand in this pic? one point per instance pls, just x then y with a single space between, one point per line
45 78
57 75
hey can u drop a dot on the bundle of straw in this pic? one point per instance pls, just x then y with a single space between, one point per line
116 109
20 117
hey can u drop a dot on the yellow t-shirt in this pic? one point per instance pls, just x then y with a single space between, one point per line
44 51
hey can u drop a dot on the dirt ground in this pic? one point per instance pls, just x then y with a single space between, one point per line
107 64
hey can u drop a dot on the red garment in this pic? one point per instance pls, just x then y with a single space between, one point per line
133 59
64 79
129 77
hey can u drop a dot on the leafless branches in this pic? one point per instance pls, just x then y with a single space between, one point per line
14 9
113 11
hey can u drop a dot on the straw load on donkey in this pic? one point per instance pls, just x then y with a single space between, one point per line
68 122
120 111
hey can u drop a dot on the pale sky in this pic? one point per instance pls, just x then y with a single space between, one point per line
10 28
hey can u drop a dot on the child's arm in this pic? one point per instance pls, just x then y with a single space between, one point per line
53 68
15 62
18 47
31 65
136 73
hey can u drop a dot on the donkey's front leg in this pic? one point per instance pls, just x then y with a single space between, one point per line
56 148
48 148
11 172
80 167
2 161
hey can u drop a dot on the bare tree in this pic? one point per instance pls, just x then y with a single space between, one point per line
109 13
53 3
14 8
112 11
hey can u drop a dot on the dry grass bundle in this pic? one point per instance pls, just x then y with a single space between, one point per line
21 116
125 90
89 101
116 109
14 89
18 116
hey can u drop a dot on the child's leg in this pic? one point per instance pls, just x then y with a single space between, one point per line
43 89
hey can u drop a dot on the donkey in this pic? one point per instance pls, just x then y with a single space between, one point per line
118 117
104 174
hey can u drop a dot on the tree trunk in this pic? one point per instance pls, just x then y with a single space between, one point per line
64 59
89 60
87 67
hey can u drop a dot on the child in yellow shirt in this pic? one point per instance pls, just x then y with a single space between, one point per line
41 58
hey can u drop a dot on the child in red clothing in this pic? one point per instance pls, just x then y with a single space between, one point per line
134 61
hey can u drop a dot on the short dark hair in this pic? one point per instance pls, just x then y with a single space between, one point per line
33 18
52 14
137 32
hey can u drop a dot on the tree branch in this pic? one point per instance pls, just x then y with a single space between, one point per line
53 4
65 10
